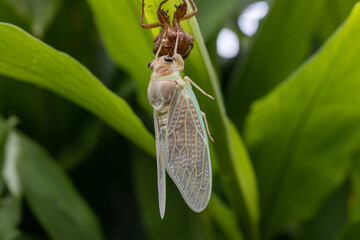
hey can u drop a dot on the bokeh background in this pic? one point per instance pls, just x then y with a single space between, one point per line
77 162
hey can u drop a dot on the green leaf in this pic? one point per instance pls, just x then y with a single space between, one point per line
128 44
39 13
244 175
29 60
51 196
133 51
302 136
284 41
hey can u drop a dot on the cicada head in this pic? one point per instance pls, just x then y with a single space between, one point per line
166 65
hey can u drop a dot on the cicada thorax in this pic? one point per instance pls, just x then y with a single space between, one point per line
160 93
166 72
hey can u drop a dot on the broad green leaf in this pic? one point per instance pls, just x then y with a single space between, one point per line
244 174
50 194
39 110
39 13
128 44
29 60
133 51
302 136
284 41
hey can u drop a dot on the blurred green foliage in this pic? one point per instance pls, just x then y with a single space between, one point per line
76 149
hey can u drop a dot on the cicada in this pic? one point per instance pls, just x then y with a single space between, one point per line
181 133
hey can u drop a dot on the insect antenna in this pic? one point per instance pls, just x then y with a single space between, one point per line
158 52
177 42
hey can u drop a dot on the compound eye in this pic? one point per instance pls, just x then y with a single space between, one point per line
168 59
149 64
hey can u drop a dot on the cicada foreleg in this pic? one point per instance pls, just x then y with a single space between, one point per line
193 13
190 82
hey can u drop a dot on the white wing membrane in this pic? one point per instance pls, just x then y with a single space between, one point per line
161 178
188 160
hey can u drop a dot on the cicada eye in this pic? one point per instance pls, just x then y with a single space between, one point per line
149 64
168 59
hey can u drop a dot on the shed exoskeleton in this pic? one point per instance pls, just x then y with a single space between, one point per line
167 36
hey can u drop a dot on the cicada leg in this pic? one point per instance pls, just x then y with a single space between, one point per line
190 82
206 126
148 25
193 13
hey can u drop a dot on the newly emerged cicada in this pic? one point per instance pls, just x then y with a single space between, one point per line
181 141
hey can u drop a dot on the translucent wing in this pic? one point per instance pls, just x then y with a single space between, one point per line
160 153
188 163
